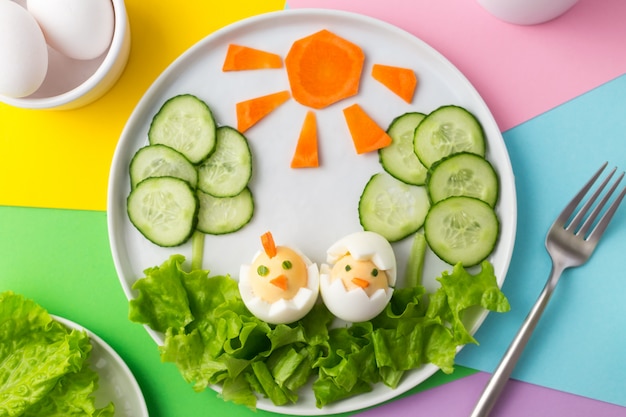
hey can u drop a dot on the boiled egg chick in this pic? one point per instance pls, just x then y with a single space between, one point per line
281 284
357 283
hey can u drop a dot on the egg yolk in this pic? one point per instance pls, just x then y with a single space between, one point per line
278 277
359 274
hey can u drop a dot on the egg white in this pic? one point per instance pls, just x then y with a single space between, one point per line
354 305
283 310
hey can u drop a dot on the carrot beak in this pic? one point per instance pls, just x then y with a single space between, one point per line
360 282
280 281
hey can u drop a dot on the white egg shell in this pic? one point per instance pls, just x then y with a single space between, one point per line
281 311
79 29
366 246
23 51
353 306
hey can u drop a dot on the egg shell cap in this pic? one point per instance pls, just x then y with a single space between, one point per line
366 246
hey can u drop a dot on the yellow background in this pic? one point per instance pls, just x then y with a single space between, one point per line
61 158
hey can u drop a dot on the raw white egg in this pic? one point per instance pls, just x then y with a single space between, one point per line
279 289
357 283
79 29
23 51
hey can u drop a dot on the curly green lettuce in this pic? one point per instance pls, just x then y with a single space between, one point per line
214 340
43 369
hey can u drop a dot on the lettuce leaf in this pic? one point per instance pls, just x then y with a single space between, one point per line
169 308
43 365
213 339
461 290
71 397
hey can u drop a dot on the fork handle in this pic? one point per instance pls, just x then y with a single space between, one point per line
502 373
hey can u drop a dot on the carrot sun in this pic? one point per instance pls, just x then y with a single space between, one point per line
322 69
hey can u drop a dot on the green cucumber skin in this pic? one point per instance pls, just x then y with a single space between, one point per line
231 183
146 226
399 158
155 134
450 122
477 170
482 238
382 186
166 155
233 223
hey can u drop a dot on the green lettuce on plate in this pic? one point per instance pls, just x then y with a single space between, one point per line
214 340
43 368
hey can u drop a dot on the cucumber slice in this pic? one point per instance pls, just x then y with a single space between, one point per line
221 215
228 170
461 229
445 131
186 124
161 161
392 208
164 210
463 174
399 158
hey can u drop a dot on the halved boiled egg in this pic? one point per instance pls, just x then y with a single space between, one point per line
356 284
281 285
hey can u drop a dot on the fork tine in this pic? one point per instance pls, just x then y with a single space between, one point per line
597 232
571 206
575 222
589 222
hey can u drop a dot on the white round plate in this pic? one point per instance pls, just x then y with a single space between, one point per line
306 208
116 382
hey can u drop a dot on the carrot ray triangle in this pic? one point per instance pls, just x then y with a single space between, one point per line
366 134
306 154
249 112
240 58
401 81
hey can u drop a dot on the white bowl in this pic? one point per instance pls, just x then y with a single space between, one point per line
72 83
527 12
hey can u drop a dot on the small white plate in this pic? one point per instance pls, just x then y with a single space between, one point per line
116 382
308 209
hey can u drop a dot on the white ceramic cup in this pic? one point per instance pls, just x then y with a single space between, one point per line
527 12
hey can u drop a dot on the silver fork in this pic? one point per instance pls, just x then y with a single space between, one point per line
570 243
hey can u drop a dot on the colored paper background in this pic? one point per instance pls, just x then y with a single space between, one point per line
518 400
